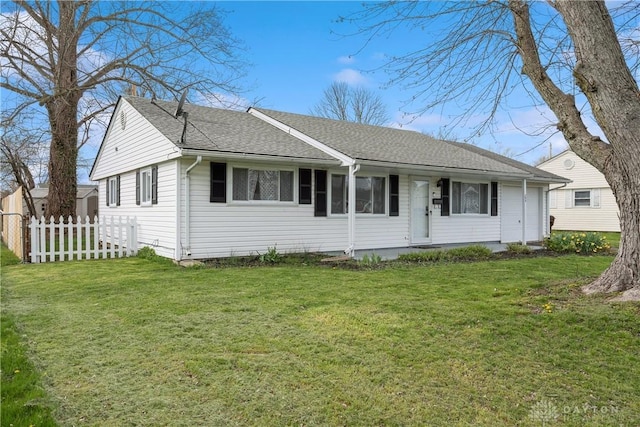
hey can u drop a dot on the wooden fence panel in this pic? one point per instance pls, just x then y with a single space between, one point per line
12 222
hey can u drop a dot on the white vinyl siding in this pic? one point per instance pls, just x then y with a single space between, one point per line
602 212
118 154
157 224
238 229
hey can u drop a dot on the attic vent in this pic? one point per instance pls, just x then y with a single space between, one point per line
123 120
569 164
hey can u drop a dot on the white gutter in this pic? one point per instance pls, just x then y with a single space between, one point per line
257 157
524 211
351 214
344 159
177 252
187 203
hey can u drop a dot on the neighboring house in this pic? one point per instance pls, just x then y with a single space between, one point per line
205 182
585 204
86 201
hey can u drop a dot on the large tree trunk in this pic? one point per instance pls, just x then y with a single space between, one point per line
62 107
63 156
604 78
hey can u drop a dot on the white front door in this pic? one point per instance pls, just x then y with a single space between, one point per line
511 216
420 211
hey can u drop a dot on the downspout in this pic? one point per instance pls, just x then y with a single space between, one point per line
547 217
187 203
524 211
351 215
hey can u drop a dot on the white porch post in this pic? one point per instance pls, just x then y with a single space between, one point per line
351 216
524 211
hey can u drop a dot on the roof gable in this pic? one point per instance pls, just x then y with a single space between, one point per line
223 131
131 141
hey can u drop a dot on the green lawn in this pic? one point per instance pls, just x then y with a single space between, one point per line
495 343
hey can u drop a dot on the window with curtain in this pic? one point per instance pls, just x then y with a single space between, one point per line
370 194
259 184
469 198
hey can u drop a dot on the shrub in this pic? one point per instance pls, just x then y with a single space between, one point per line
147 253
518 248
374 259
427 256
473 252
271 256
582 243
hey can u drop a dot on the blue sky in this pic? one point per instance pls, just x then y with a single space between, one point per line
297 51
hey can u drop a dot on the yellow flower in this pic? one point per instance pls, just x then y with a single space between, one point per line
17 371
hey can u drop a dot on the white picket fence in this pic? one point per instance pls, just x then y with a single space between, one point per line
105 237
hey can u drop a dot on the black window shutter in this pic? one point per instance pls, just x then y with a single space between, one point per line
304 186
218 190
108 182
138 188
494 199
118 191
394 195
444 195
321 193
154 185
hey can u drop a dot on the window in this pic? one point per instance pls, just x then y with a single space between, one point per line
257 184
113 191
469 198
582 198
145 187
370 194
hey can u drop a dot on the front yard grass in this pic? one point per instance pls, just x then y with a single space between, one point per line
505 342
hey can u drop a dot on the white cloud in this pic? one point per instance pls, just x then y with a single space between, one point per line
346 59
431 124
351 76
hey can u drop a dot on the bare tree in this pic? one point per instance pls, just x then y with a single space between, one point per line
22 154
572 56
358 105
71 58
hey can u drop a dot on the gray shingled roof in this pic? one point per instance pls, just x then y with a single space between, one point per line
224 131
383 144
536 172
43 191
229 131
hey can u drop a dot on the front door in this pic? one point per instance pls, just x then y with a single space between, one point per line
420 211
